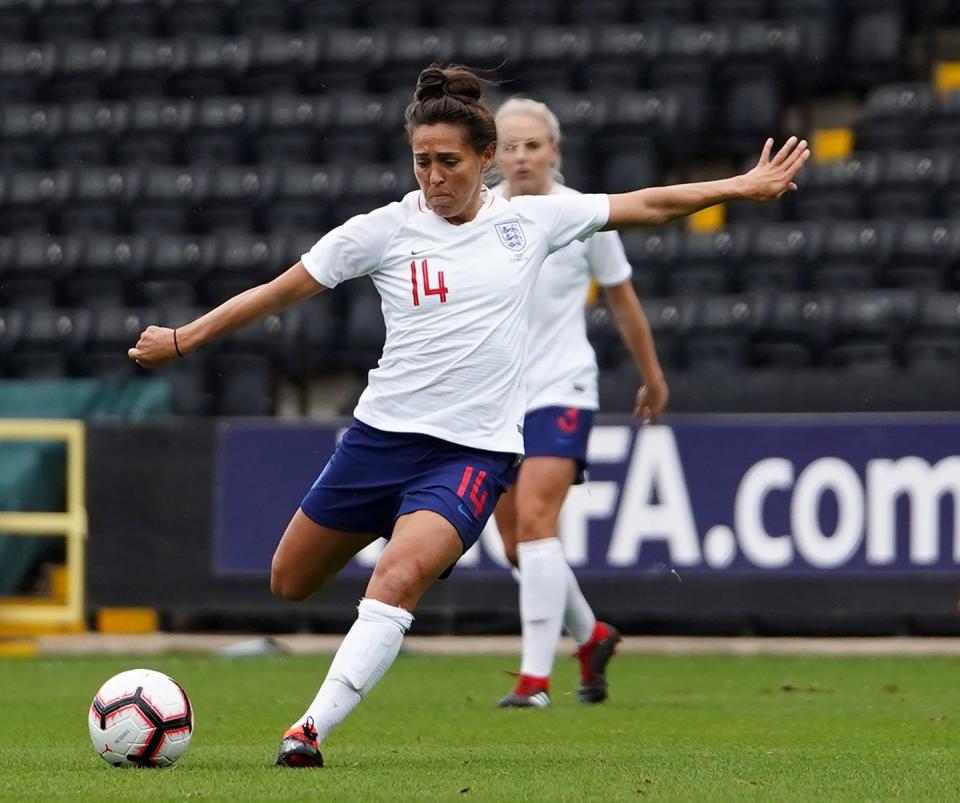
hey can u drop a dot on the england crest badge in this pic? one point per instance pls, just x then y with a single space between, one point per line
511 235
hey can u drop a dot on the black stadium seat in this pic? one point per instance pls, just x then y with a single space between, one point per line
854 254
792 330
909 184
720 332
894 116
926 254
652 253
780 256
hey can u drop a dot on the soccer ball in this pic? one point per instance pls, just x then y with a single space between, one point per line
141 718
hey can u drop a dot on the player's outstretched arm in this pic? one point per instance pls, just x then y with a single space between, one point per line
158 345
770 178
634 328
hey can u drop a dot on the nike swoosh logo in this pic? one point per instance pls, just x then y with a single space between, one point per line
414 253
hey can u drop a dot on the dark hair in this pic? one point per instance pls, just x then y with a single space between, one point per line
452 94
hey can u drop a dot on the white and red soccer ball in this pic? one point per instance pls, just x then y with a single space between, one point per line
141 718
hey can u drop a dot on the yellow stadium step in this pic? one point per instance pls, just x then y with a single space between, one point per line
706 220
831 144
946 76
127 621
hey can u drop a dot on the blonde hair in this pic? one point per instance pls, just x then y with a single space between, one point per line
521 105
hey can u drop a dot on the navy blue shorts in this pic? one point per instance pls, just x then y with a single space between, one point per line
559 432
374 477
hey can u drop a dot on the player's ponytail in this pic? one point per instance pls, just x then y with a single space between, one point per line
453 94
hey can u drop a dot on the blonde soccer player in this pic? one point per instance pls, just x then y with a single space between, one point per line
560 371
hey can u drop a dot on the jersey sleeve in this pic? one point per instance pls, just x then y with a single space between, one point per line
354 248
607 259
565 218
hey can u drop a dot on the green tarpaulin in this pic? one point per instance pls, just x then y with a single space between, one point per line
33 475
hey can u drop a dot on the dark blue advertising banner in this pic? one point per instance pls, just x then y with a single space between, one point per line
724 495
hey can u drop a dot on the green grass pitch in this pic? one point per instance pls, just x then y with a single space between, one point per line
676 728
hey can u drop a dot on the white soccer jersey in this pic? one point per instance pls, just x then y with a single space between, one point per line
454 301
561 368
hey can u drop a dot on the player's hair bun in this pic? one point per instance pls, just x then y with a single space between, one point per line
454 81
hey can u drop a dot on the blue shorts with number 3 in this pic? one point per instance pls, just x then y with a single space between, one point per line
559 432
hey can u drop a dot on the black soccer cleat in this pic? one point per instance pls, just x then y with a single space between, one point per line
594 657
299 747
530 692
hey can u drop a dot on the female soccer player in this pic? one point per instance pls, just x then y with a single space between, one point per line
437 432
561 376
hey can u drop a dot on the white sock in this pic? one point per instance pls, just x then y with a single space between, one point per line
364 656
578 618
543 588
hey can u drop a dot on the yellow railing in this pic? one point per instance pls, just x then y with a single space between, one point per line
71 524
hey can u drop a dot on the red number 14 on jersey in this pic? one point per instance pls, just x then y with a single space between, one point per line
439 290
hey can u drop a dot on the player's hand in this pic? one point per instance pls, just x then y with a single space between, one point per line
154 348
651 399
773 177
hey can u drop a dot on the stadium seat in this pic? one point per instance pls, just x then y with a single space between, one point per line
321 335
621 57
113 330
652 254
167 199
16 21
12 322
925 254
499 49
355 134
736 10
780 256
408 51
370 186
626 171
276 62
25 133
633 117
943 126
65 19
191 380
835 190
34 268
349 56
868 327
82 67
322 15
32 199
894 116
664 10
691 55
670 320
254 17
153 128
98 198
751 111
552 57
910 183
146 66
194 18
220 130
305 198
241 261
176 265
792 329
23 68
933 341
720 331
236 194
290 129
107 265
87 134
465 14
707 262
873 48
129 19
854 253
51 337
604 337
211 65
598 12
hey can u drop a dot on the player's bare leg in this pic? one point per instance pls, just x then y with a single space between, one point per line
423 546
309 555
549 593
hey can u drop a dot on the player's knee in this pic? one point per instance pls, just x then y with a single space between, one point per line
285 584
395 583
534 522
